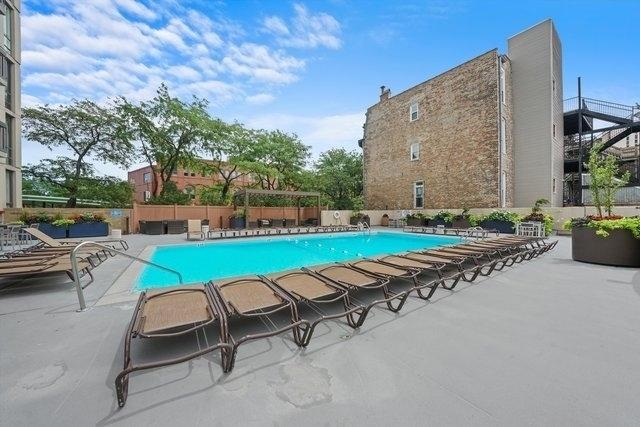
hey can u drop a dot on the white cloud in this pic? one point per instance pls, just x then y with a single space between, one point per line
306 30
137 9
182 72
260 99
262 64
322 133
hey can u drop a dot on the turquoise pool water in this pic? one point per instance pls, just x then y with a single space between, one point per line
217 260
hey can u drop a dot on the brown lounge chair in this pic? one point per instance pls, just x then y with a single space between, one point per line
170 313
56 264
194 228
257 298
354 280
467 275
47 241
314 290
406 263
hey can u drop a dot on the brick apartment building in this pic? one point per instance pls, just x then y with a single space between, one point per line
487 133
186 180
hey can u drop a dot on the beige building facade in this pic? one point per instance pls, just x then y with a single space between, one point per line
10 146
454 141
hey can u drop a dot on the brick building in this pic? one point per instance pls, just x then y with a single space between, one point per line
186 180
464 139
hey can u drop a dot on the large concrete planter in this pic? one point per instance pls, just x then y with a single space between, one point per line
416 222
620 248
437 222
237 223
461 223
89 229
505 227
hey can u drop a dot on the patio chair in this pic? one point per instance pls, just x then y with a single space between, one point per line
313 290
257 298
58 264
357 280
467 275
194 228
171 313
47 241
422 267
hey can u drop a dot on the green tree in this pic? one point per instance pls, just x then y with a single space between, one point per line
170 195
277 159
605 179
229 150
85 129
168 130
214 195
339 177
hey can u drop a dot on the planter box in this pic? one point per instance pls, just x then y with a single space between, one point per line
437 222
505 227
416 222
619 249
154 227
53 231
89 229
461 223
237 223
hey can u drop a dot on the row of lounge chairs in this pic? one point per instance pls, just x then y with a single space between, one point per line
194 231
391 279
49 256
478 232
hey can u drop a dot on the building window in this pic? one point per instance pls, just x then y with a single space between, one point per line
503 136
9 181
146 195
627 142
146 177
503 86
553 85
415 151
554 130
418 195
8 18
554 186
413 112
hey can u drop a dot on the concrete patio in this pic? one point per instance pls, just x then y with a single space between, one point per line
548 342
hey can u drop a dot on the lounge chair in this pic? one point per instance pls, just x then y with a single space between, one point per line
171 313
257 298
467 275
357 280
46 240
56 264
194 228
422 267
306 287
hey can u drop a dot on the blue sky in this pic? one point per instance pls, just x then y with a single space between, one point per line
308 67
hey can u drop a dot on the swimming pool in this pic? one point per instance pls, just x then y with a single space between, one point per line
216 260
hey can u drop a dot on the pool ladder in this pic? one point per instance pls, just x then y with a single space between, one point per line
364 227
76 273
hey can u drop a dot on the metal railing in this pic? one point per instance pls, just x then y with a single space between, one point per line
603 107
364 227
76 272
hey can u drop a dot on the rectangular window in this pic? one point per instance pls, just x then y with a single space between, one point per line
415 151
627 141
503 86
9 181
554 186
418 195
554 130
147 195
553 84
8 18
413 112
503 136
146 177
186 172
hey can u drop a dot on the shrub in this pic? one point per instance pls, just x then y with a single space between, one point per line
445 216
418 215
603 225
506 216
63 222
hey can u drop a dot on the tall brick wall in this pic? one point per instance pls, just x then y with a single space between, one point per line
457 130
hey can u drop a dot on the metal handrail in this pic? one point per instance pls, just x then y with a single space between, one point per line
365 227
76 275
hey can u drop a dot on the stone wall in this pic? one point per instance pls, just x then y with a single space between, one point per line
457 130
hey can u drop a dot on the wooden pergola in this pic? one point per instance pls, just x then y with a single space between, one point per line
246 192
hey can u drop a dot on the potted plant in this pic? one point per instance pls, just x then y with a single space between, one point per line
357 217
462 220
417 219
605 238
63 225
45 223
501 221
442 218
237 220
88 224
537 216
